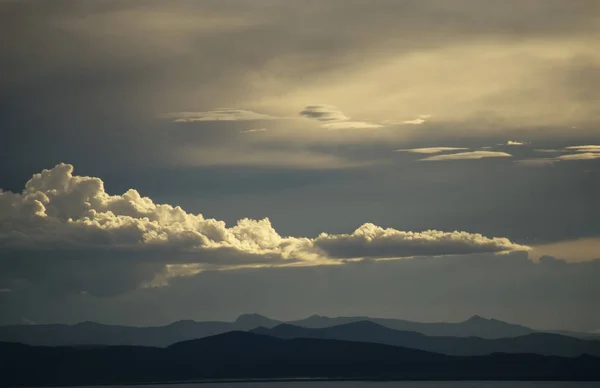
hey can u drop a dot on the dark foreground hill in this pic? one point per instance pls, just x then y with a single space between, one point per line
242 355
366 331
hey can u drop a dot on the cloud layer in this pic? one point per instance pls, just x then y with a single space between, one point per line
63 225
431 150
467 156
217 115
584 148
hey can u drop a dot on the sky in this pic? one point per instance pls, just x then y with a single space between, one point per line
418 159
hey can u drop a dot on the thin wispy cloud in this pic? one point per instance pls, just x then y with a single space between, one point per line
431 150
418 121
515 143
584 148
254 130
473 155
584 152
225 114
579 156
539 162
421 119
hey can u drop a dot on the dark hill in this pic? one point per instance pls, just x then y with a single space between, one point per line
242 355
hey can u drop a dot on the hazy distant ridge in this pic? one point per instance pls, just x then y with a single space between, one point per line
367 331
90 333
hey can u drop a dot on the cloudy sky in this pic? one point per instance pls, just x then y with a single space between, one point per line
418 159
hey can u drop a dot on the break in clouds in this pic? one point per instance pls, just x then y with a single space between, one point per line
68 232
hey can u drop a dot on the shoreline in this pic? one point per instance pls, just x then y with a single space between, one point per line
305 380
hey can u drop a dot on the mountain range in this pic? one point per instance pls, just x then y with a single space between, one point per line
91 333
366 331
246 355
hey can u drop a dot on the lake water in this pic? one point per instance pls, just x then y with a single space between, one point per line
359 384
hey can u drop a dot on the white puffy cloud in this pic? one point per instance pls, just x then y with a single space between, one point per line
468 156
225 114
514 143
332 118
65 229
431 150
58 207
375 242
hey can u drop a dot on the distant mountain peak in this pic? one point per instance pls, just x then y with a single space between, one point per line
251 321
477 318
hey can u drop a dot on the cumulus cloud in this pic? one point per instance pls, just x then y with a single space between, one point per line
66 230
225 114
468 156
373 241
332 118
431 150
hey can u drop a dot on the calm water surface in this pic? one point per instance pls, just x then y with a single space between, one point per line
400 384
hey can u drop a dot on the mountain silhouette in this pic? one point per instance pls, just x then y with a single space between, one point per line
251 321
91 333
475 326
367 331
245 355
